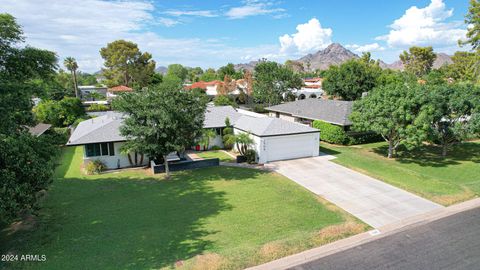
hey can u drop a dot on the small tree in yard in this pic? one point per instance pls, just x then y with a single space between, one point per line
160 120
244 142
453 109
395 111
207 134
228 137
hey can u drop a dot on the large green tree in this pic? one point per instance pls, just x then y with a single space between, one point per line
396 111
472 19
452 107
60 113
463 67
178 71
351 79
273 81
229 70
418 60
26 163
160 120
126 64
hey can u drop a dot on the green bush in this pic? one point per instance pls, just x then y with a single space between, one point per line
331 133
215 148
59 113
57 136
223 100
259 108
250 156
80 119
98 108
228 137
95 167
363 137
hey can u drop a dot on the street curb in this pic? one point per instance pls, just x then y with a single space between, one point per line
359 239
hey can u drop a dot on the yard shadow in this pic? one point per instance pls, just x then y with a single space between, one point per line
430 155
123 222
328 151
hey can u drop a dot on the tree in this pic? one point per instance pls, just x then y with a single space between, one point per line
160 120
207 135
418 60
228 70
126 64
244 142
26 161
473 20
209 75
396 111
452 107
351 79
194 74
178 71
228 136
463 67
272 81
223 100
71 64
59 113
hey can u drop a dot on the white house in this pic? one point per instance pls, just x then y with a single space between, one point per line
87 90
275 139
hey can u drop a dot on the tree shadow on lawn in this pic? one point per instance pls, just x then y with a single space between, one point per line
328 151
431 156
116 222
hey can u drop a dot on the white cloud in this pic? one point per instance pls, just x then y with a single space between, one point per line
167 22
372 47
254 8
425 27
197 13
309 37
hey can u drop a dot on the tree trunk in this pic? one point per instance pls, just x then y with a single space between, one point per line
444 149
129 159
75 84
141 159
390 149
167 171
136 158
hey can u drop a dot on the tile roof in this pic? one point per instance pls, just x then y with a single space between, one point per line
202 84
332 111
120 88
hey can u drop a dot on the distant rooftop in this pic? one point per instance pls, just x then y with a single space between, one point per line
331 111
39 129
120 88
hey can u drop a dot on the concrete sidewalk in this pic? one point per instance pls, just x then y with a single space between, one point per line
372 201
359 239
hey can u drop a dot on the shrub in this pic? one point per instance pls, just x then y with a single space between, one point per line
80 119
57 136
95 167
59 113
363 137
215 148
259 108
98 108
223 100
250 156
228 137
331 133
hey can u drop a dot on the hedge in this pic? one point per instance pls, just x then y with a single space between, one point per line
335 134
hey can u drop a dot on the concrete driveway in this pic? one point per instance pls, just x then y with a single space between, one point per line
372 201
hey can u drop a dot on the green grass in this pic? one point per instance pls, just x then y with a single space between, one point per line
224 157
215 217
422 171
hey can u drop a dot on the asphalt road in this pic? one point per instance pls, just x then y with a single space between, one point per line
449 243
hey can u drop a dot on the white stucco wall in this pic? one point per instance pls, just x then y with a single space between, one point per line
112 162
287 117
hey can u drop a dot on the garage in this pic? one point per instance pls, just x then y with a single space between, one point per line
291 146
276 139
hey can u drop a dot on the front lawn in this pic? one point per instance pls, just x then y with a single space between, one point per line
422 171
208 218
224 157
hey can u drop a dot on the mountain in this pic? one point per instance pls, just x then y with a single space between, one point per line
161 70
334 54
442 59
247 66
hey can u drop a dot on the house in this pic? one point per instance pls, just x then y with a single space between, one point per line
87 92
211 88
275 139
114 91
306 111
312 88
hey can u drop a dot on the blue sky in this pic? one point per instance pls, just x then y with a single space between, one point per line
213 33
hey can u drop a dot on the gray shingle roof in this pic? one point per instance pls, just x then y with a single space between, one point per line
104 128
332 111
215 116
269 126
39 129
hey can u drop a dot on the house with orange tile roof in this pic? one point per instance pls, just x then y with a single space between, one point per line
113 92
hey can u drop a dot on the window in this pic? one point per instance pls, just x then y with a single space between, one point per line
219 131
99 149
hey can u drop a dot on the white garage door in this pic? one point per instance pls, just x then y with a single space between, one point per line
292 146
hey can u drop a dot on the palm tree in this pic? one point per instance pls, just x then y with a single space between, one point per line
206 136
244 142
71 64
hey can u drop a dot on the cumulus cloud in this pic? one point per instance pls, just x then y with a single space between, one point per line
372 47
255 8
424 27
309 37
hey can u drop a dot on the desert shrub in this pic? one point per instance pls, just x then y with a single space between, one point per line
331 133
95 167
250 156
98 108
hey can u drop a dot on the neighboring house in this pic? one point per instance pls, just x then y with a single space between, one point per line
306 111
87 90
312 88
39 129
114 91
211 88
275 139
101 139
